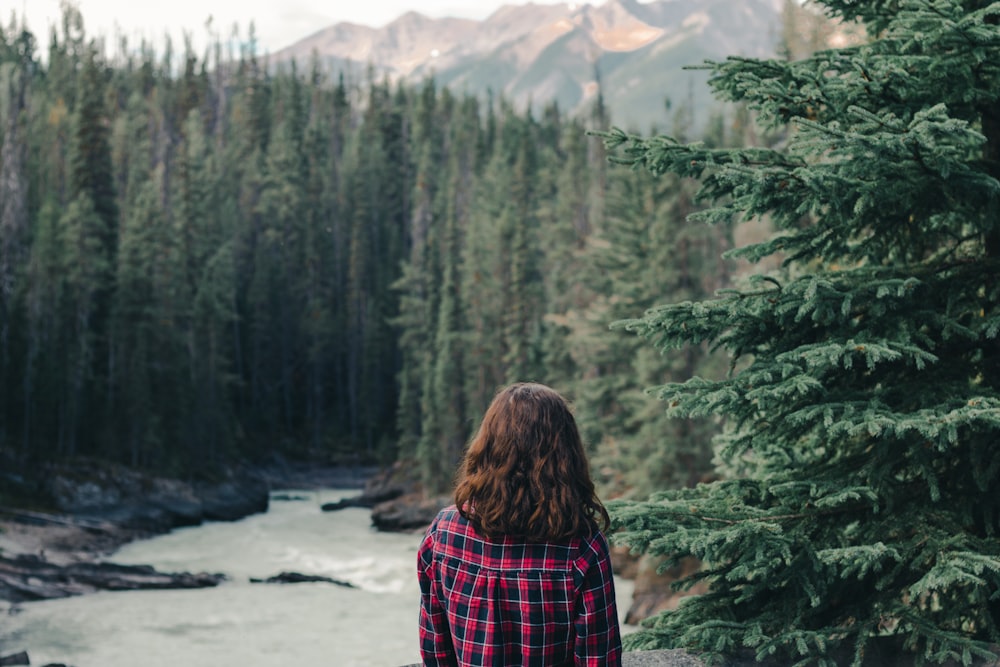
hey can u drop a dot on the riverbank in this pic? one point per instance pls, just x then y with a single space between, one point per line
239 622
59 551
200 618
97 510
111 509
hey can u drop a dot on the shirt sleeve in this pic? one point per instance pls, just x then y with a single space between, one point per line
598 638
435 635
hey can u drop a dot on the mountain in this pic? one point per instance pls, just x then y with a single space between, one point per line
534 54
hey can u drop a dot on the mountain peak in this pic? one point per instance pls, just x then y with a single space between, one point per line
555 52
410 17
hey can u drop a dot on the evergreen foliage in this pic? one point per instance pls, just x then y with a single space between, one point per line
861 498
643 251
208 258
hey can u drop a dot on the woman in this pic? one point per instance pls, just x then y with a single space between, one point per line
517 572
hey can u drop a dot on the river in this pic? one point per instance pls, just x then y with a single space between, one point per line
239 624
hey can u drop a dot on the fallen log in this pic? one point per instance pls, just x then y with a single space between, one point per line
27 578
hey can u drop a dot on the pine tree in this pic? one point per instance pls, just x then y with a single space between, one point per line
418 286
319 292
93 217
91 159
523 302
861 501
446 427
377 193
13 203
87 275
145 322
567 216
44 380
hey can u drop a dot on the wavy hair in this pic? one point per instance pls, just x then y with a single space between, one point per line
525 473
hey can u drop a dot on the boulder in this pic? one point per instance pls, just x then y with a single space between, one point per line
408 512
653 593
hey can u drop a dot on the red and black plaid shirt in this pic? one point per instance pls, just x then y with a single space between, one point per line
504 602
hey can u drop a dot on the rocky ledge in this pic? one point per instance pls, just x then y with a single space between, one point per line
396 502
27 578
147 504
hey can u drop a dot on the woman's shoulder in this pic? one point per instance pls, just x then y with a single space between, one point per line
593 548
452 532
448 519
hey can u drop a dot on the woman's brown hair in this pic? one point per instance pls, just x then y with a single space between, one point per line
525 473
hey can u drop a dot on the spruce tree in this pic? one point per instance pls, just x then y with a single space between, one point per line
861 501
645 253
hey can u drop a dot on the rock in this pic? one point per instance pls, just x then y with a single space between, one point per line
624 563
409 512
280 473
298 578
663 658
367 499
61 537
289 497
653 592
147 504
398 504
385 485
15 659
22 659
26 578
233 499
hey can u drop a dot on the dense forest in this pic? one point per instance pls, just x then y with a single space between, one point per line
205 258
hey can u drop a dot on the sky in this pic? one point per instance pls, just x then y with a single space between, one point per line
278 23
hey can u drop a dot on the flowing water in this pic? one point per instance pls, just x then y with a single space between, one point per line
239 624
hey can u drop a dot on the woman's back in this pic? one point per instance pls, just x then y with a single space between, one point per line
510 602
517 572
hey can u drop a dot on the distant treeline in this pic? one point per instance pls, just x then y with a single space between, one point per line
214 260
